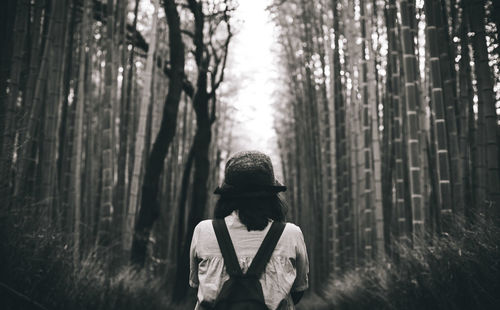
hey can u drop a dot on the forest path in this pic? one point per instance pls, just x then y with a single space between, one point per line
253 65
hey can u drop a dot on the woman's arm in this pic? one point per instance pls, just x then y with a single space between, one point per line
302 265
193 261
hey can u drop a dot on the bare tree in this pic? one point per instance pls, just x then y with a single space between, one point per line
149 208
210 57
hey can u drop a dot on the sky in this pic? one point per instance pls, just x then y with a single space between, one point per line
254 64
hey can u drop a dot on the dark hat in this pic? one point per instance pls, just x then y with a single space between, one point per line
249 174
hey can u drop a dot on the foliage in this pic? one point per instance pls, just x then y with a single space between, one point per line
38 263
311 301
460 270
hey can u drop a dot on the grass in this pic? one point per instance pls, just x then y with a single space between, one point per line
461 270
36 267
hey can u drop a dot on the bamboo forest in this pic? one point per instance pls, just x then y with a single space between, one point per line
382 118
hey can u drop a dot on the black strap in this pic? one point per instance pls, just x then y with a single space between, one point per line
262 257
226 247
266 249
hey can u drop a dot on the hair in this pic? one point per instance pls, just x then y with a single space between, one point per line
254 212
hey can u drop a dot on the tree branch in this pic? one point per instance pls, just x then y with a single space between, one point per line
217 83
219 66
133 35
19 297
187 86
196 9
188 33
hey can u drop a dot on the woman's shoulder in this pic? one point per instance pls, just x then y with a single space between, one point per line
291 239
204 226
292 230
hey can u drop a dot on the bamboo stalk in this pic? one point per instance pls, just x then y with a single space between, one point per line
489 132
106 199
440 123
78 134
412 124
9 115
141 131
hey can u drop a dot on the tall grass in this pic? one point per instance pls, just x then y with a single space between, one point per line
459 270
36 267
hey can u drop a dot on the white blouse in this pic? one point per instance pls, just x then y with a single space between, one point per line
286 271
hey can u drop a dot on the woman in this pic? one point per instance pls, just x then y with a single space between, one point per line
248 206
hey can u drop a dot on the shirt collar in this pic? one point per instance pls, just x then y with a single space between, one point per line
233 219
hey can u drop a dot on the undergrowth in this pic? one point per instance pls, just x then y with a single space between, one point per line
458 270
37 272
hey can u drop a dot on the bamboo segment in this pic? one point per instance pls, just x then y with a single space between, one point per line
396 104
106 203
90 147
378 220
78 134
411 97
7 146
437 99
487 115
367 214
466 120
342 164
140 135
439 15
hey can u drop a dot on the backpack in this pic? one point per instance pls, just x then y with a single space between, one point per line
243 291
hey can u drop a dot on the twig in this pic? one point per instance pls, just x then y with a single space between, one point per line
21 296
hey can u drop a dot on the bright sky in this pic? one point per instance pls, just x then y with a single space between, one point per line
254 63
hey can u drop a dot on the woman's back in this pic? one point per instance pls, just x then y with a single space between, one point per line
248 203
286 271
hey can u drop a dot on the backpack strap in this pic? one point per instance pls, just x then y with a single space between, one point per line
266 249
226 247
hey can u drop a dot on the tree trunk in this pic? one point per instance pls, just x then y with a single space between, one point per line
28 101
141 132
76 172
125 100
148 211
440 123
412 123
396 104
64 155
486 105
7 26
106 204
342 157
449 89
8 111
466 103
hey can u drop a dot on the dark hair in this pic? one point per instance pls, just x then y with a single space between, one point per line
254 212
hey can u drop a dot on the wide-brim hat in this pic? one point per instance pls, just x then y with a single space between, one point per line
249 174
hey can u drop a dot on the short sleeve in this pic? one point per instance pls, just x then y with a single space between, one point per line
193 260
302 263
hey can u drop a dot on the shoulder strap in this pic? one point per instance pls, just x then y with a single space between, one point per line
226 247
266 249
